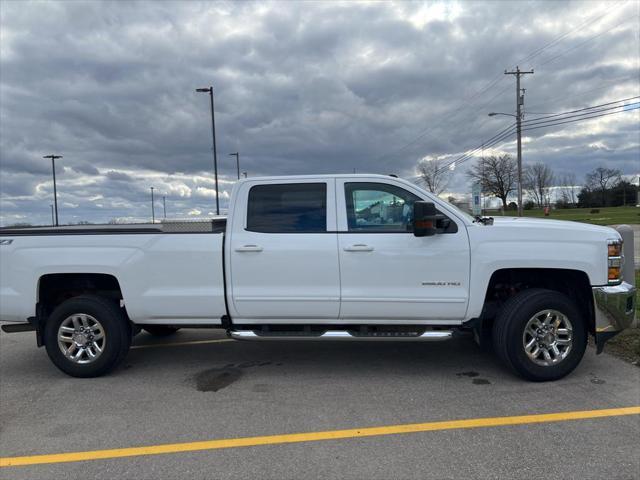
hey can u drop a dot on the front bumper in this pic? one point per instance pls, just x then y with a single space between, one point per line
614 309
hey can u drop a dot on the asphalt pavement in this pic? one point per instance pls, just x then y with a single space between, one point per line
196 386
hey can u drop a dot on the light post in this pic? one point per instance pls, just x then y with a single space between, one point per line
209 90
55 192
519 138
237 155
153 211
164 206
53 222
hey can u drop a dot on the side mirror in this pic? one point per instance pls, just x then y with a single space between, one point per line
424 219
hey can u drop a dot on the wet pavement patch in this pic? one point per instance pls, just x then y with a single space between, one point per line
216 379
481 381
470 374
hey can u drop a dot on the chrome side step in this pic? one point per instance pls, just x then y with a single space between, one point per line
342 335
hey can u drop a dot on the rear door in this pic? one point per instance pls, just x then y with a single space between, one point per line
387 273
283 252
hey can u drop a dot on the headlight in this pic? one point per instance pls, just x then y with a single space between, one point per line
614 261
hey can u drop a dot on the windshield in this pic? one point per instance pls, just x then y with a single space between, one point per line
459 211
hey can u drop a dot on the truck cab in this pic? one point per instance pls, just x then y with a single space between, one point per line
342 250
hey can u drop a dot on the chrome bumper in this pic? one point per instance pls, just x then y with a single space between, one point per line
614 308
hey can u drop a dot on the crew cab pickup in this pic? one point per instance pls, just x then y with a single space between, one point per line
339 258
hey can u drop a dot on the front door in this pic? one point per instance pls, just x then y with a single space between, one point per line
386 272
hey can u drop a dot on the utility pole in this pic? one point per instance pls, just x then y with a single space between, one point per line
213 132
237 155
164 206
519 105
55 192
153 211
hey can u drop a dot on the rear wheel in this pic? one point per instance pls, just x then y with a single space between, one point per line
160 330
87 336
540 334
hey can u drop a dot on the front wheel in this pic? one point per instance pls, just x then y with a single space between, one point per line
87 336
540 334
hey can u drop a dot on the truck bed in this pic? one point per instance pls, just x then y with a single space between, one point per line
167 273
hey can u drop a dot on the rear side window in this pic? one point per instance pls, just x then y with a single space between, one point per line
288 208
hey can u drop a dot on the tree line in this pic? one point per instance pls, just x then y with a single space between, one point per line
498 176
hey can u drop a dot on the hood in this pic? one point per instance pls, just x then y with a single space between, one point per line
546 224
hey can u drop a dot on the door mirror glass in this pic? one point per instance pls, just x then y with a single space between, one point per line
424 219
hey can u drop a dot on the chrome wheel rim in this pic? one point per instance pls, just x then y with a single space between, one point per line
81 338
548 338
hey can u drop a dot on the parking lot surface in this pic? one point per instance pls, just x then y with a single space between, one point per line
197 386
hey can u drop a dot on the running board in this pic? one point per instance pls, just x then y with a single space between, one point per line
342 335
17 327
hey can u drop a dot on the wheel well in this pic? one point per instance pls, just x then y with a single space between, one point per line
55 288
508 282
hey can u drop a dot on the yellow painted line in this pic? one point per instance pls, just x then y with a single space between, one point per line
315 436
179 344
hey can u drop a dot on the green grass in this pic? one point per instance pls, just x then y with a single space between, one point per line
626 345
605 216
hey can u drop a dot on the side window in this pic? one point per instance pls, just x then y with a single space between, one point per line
379 207
288 208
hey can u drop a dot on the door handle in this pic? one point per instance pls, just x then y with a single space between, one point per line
249 248
358 247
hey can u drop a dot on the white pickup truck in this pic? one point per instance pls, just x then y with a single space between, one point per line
340 257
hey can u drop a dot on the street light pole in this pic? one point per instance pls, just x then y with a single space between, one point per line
215 153
237 155
164 206
53 222
153 211
55 192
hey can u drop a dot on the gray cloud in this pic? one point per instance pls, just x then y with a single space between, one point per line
299 88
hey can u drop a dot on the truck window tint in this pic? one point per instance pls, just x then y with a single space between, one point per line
379 207
288 208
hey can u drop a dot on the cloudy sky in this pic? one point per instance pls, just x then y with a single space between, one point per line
300 87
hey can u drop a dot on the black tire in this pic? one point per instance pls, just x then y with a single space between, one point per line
160 330
117 334
509 327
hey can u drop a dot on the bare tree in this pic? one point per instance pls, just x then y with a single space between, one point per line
497 176
538 179
568 188
434 174
601 179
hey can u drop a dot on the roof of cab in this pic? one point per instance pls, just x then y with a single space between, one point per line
319 176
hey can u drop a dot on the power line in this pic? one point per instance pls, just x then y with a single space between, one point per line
453 114
591 20
497 138
581 44
436 124
510 130
582 118
581 94
594 109
624 107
